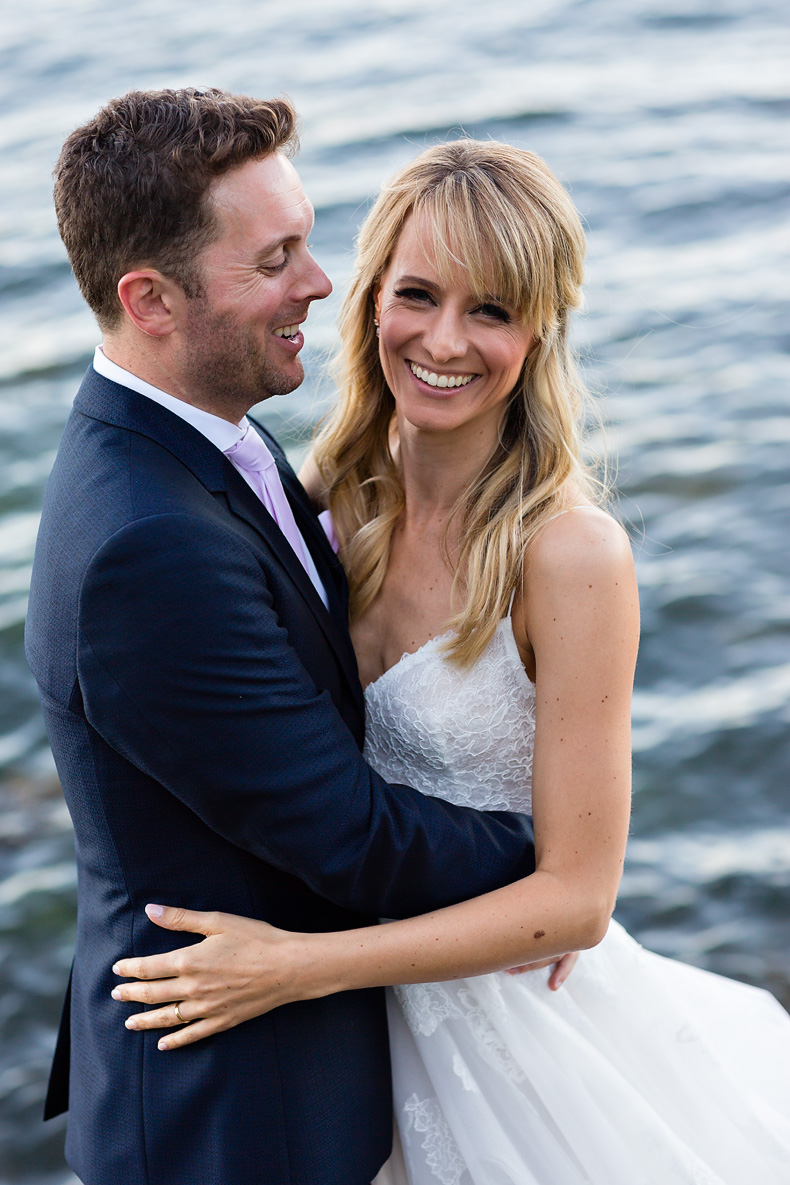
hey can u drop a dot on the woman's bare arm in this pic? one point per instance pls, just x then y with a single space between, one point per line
580 611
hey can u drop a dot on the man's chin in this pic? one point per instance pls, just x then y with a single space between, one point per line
281 383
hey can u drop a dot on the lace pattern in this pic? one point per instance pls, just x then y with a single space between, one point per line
466 735
441 1151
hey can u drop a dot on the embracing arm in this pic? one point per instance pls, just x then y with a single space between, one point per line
582 619
187 671
581 615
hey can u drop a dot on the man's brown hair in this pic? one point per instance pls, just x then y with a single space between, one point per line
131 185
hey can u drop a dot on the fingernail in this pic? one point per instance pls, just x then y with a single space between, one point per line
116 968
154 911
163 1045
131 1023
116 993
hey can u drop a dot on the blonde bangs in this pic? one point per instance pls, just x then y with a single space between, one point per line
500 233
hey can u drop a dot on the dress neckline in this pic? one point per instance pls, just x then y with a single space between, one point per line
408 655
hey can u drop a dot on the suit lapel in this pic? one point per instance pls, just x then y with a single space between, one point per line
328 565
245 505
104 400
331 572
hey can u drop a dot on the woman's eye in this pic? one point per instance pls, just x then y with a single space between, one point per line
419 294
496 311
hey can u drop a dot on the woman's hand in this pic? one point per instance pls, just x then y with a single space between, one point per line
241 969
562 969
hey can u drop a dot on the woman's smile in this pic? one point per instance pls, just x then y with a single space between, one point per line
439 379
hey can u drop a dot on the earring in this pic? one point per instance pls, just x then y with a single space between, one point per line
378 327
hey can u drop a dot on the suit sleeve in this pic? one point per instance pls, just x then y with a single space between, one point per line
186 671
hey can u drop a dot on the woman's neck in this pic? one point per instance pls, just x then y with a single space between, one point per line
436 467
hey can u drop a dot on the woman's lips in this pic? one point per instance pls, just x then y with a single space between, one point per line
438 380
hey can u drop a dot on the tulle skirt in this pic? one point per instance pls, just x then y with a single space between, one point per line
639 1071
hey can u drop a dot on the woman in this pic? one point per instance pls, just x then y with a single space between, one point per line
495 619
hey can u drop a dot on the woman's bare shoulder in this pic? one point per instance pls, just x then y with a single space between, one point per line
582 538
579 591
578 570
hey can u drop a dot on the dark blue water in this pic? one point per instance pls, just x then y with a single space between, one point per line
669 123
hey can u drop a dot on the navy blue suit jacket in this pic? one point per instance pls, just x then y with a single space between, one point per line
206 718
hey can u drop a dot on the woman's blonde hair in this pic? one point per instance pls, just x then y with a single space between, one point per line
501 215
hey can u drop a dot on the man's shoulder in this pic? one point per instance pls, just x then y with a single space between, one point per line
109 476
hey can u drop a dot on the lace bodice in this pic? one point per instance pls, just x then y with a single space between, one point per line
463 734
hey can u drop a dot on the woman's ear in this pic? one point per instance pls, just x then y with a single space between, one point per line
151 301
377 301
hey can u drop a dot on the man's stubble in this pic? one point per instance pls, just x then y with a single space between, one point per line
225 366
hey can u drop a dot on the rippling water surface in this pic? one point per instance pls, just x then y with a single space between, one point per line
669 123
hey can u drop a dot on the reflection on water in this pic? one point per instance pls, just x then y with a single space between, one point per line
668 121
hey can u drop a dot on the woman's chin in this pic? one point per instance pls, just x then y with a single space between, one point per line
446 417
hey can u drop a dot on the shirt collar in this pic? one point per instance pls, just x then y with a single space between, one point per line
220 432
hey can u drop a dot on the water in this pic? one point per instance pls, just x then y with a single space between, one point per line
669 122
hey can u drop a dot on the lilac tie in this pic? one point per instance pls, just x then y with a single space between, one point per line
254 461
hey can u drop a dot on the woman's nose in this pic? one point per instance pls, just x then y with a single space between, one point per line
445 337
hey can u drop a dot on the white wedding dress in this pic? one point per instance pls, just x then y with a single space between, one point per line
639 1071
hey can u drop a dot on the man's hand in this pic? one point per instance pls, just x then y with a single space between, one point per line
562 969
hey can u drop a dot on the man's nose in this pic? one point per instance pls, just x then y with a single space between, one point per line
317 285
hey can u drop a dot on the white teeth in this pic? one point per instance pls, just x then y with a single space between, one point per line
440 380
287 331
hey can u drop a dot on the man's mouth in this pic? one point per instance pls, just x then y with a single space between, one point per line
436 379
287 331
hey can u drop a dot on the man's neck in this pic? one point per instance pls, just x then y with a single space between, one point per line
160 372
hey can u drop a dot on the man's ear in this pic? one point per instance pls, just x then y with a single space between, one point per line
151 301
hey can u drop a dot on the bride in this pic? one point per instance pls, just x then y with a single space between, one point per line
495 618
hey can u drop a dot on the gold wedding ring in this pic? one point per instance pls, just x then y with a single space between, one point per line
181 1020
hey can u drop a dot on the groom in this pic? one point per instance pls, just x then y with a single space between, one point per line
187 631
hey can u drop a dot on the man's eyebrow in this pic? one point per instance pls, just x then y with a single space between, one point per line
268 249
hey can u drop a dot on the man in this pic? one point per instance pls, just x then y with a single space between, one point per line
187 632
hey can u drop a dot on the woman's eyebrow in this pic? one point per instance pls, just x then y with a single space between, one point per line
419 281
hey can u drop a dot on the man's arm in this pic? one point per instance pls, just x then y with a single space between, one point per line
186 671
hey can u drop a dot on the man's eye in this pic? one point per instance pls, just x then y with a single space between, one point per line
273 268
